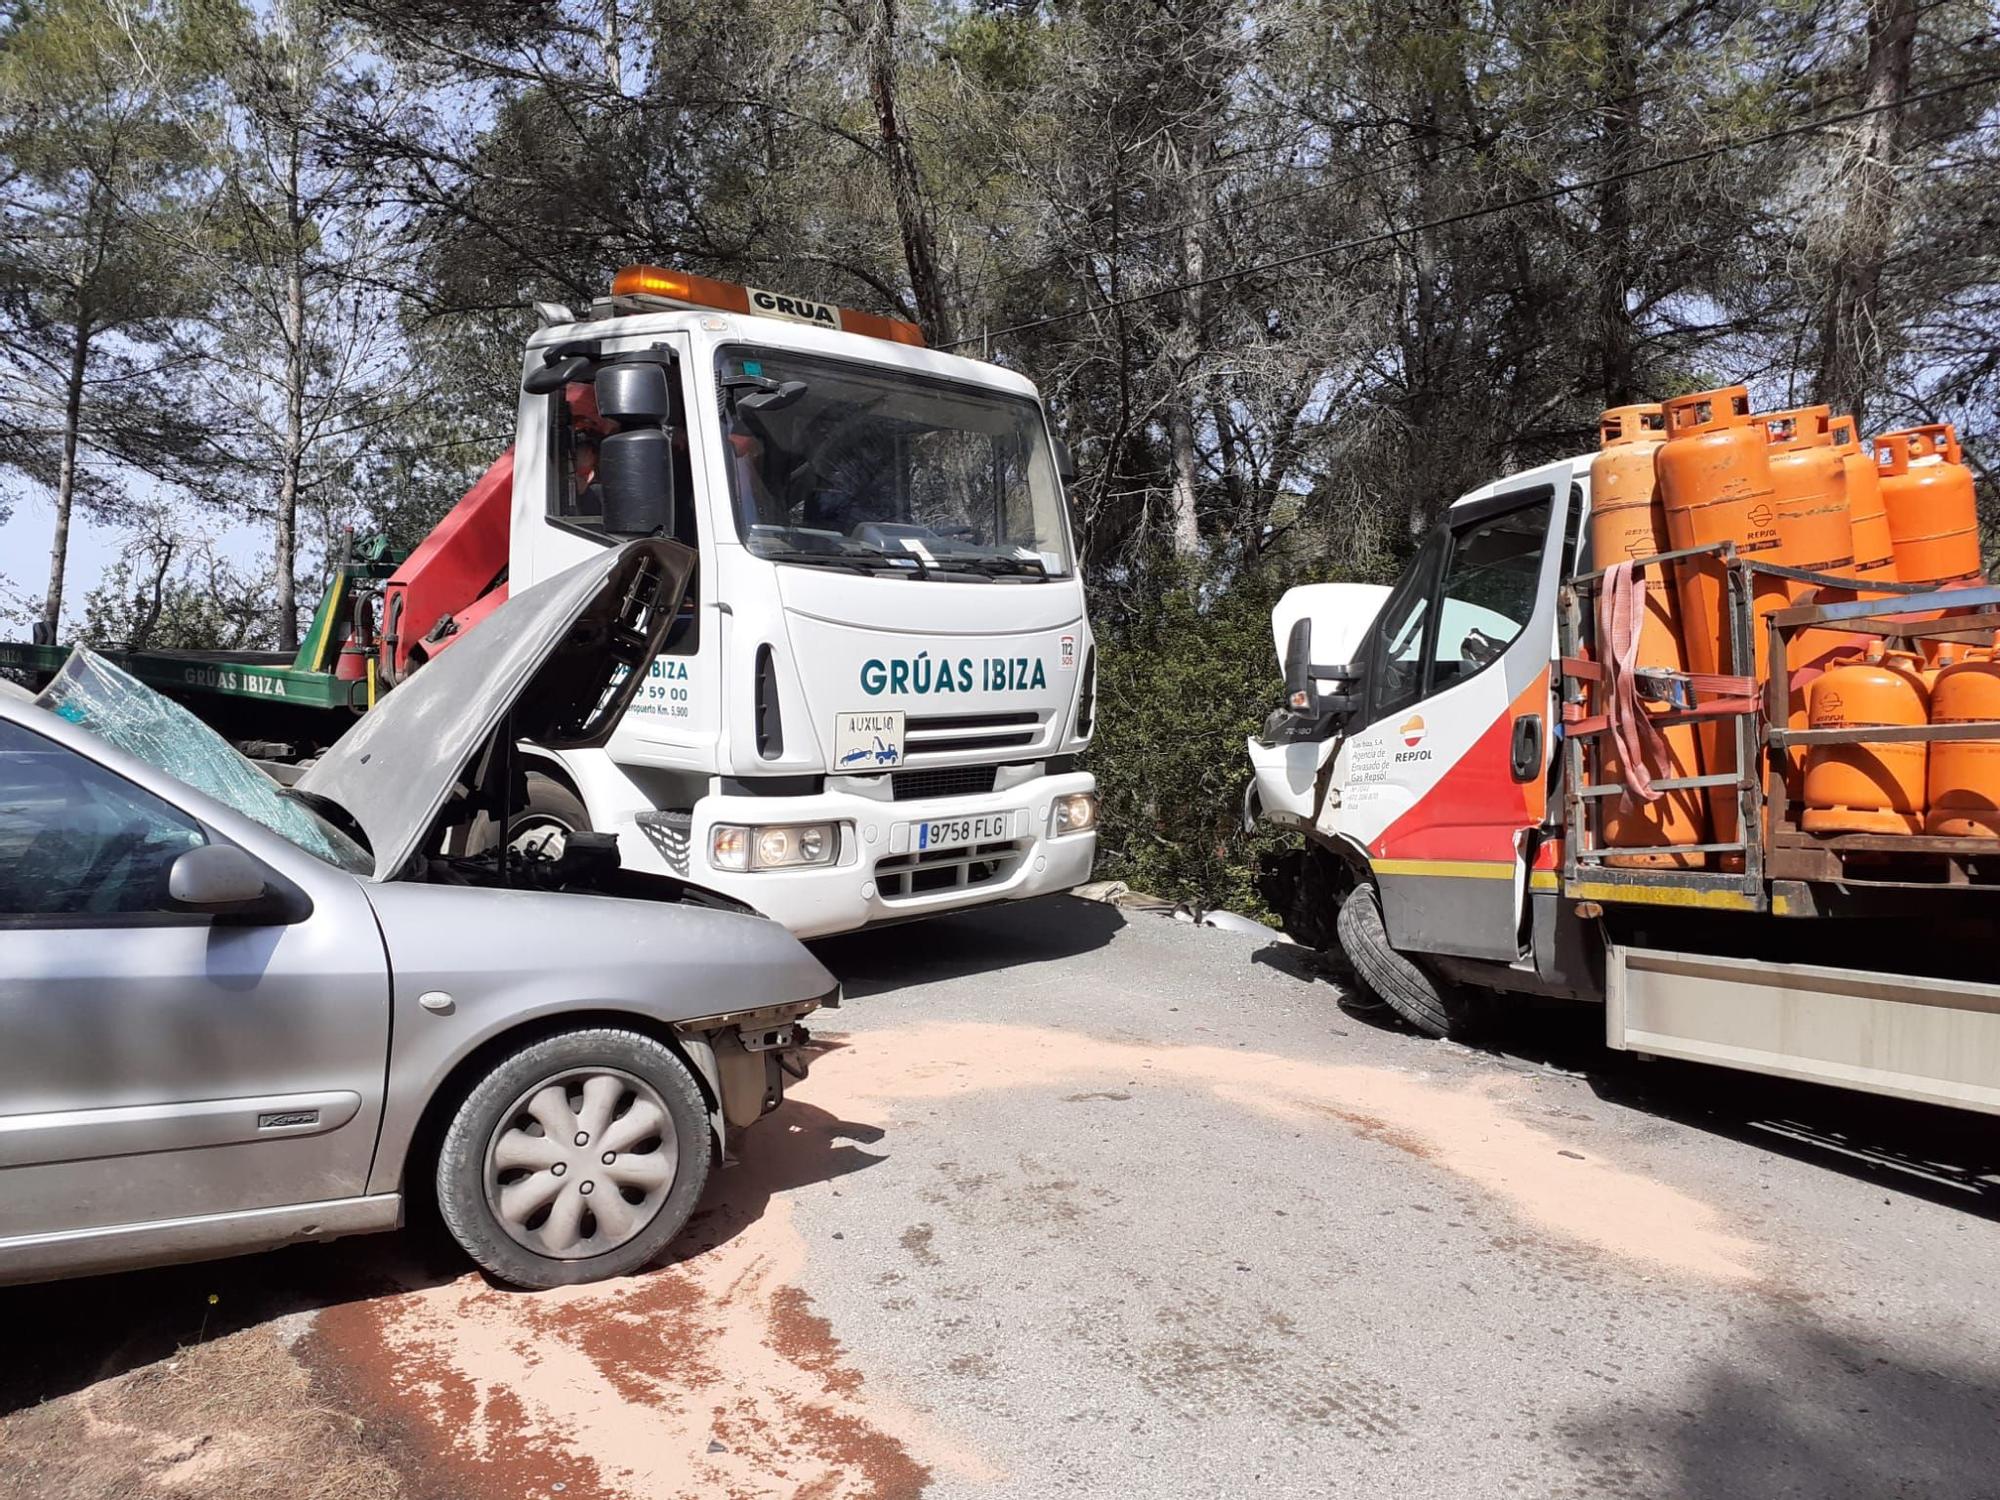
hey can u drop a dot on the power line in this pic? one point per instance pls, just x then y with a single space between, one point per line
1549 195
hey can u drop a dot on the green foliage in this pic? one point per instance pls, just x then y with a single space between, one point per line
1186 673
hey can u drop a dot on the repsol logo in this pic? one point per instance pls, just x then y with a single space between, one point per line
1408 755
799 309
921 674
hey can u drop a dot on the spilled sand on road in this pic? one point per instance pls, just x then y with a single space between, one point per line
712 1376
1463 1126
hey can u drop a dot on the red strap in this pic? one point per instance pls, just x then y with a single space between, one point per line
1621 616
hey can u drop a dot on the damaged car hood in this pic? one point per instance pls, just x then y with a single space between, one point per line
565 657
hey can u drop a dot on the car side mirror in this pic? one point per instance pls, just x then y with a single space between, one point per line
216 878
636 470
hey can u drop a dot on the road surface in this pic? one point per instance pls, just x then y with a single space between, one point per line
1082 1202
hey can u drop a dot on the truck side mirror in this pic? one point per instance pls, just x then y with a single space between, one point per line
633 394
1298 666
636 471
1065 463
1308 710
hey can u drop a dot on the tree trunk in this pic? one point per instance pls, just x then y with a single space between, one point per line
1617 342
614 61
79 361
905 182
1180 405
292 456
1852 356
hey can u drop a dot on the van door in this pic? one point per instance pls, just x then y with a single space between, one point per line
1449 777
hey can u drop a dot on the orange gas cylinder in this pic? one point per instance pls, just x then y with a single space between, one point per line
1809 487
1933 518
1715 483
1871 787
1964 776
1626 522
1874 553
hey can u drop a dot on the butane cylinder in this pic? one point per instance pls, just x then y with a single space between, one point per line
1873 786
1627 522
1874 552
1809 491
1933 516
1964 778
1715 484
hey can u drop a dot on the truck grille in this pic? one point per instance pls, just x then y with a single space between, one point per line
957 734
944 781
903 877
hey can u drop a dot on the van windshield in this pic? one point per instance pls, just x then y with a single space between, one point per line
875 470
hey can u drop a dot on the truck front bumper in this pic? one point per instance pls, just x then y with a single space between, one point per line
883 872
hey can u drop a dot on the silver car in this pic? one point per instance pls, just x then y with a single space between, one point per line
234 1016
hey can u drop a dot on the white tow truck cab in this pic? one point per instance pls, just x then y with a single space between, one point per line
1432 753
874 703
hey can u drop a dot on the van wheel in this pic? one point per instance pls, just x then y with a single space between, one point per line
1390 977
575 1159
544 823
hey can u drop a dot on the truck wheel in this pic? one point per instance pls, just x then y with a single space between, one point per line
544 823
576 1159
1388 975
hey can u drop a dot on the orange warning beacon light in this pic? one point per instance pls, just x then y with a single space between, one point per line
656 284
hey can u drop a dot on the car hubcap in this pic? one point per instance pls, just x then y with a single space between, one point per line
581 1163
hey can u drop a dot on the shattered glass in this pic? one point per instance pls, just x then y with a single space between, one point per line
122 711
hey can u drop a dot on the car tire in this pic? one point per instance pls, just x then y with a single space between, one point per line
521 1180
551 808
1396 981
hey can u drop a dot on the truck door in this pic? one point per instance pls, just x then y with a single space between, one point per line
1448 778
559 523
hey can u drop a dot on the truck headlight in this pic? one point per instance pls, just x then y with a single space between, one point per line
775 846
1076 813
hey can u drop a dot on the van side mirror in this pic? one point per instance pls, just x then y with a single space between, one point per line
216 878
636 470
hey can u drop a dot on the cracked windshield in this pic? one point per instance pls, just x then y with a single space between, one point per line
835 465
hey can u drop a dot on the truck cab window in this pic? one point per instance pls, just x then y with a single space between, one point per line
1489 591
1402 633
576 497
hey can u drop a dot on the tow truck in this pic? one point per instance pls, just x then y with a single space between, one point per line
874 701
1438 754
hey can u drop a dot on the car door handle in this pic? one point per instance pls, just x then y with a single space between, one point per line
1527 754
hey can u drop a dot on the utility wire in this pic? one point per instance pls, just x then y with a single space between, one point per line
1549 195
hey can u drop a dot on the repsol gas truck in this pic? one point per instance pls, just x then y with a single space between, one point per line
874 701
1444 756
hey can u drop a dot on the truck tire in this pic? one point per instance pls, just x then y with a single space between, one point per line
1393 979
551 813
556 1132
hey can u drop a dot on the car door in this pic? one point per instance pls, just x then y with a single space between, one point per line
1447 778
161 1066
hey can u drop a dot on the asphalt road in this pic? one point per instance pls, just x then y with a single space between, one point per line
1094 1203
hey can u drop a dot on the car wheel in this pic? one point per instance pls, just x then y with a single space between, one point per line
577 1158
1432 1008
544 823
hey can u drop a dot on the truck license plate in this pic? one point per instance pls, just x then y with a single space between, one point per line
954 833
867 741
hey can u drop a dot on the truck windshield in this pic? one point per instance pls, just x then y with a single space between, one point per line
853 467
